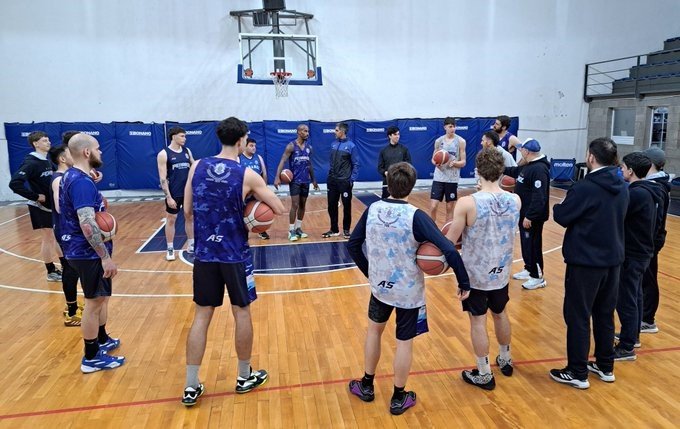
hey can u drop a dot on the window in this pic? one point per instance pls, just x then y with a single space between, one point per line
659 126
623 125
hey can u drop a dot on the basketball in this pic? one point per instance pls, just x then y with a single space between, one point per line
441 157
445 230
507 183
258 216
286 176
107 225
430 259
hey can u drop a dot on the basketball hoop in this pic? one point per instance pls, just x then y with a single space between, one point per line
281 81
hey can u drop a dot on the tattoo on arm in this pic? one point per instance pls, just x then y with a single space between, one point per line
92 233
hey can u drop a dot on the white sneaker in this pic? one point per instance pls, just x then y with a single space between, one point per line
522 275
170 255
532 284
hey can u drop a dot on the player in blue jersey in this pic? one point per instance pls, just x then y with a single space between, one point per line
487 221
506 139
299 156
214 202
392 230
174 162
248 158
86 251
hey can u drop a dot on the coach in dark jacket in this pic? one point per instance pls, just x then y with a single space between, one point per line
391 154
533 188
593 213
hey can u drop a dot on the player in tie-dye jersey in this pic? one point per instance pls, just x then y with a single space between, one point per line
214 203
393 230
487 220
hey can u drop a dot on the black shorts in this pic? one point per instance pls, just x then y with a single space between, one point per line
91 275
441 190
40 218
480 301
411 322
180 203
301 189
210 279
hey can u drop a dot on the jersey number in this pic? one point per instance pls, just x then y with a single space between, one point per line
386 284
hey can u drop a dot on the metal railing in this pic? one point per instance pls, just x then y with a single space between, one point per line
601 76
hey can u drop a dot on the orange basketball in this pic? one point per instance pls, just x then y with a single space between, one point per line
107 225
445 230
441 157
258 216
286 176
430 259
507 183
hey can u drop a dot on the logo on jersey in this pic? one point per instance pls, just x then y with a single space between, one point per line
46 173
218 173
215 238
66 237
537 184
388 217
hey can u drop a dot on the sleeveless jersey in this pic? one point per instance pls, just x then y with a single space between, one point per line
299 162
177 165
77 190
444 173
219 232
252 163
56 227
505 143
391 249
488 244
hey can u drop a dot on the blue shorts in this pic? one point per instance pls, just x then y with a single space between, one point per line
301 189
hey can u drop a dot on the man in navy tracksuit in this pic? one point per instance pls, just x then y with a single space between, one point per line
593 213
533 188
646 198
650 285
343 172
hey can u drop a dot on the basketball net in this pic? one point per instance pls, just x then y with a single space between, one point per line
281 81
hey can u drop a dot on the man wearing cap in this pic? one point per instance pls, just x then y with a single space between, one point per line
650 285
533 188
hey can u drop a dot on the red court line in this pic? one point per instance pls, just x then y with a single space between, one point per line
287 387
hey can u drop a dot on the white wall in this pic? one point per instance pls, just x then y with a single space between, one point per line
155 60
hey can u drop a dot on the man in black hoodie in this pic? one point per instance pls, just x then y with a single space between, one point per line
593 213
650 285
645 198
36 170
533 188
391 154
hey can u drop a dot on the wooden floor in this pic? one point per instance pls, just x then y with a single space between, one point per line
309 333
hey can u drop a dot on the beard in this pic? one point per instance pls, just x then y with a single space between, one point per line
94 162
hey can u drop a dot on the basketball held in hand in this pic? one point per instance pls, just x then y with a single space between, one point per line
258 216
508 183
430 259
445 230
441 157
286 176
107 225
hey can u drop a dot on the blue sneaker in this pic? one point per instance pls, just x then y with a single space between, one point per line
110 344
101 361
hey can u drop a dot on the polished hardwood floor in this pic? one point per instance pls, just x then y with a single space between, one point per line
309 334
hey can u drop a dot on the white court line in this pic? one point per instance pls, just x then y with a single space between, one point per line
12 220
152 236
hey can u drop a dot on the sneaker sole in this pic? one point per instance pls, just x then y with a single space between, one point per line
540 286
191 404
571 383
240 392
602 376
649 331
627 358
470 382
90 369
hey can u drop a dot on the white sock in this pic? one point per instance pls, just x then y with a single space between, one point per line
190 242
505 352
291 227
170 246
298 224
483 365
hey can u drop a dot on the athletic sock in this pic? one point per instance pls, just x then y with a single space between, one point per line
298 223
50 267
367 380
291 227
244 369
102 336
91 348
72 308
190 243
170 246
483 365
192 376
398 393
505 352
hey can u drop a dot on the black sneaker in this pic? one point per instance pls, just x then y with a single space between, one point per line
473 377
604 376
191 395
264 235
346 234
637 345
505 366
257 378
398 407
329 234
621 354
565 376
366 394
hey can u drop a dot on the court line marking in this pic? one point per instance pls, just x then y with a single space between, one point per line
12 220
163 221
288 387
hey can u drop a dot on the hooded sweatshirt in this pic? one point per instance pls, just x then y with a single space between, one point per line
660 235
533 188
593 213
646 201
